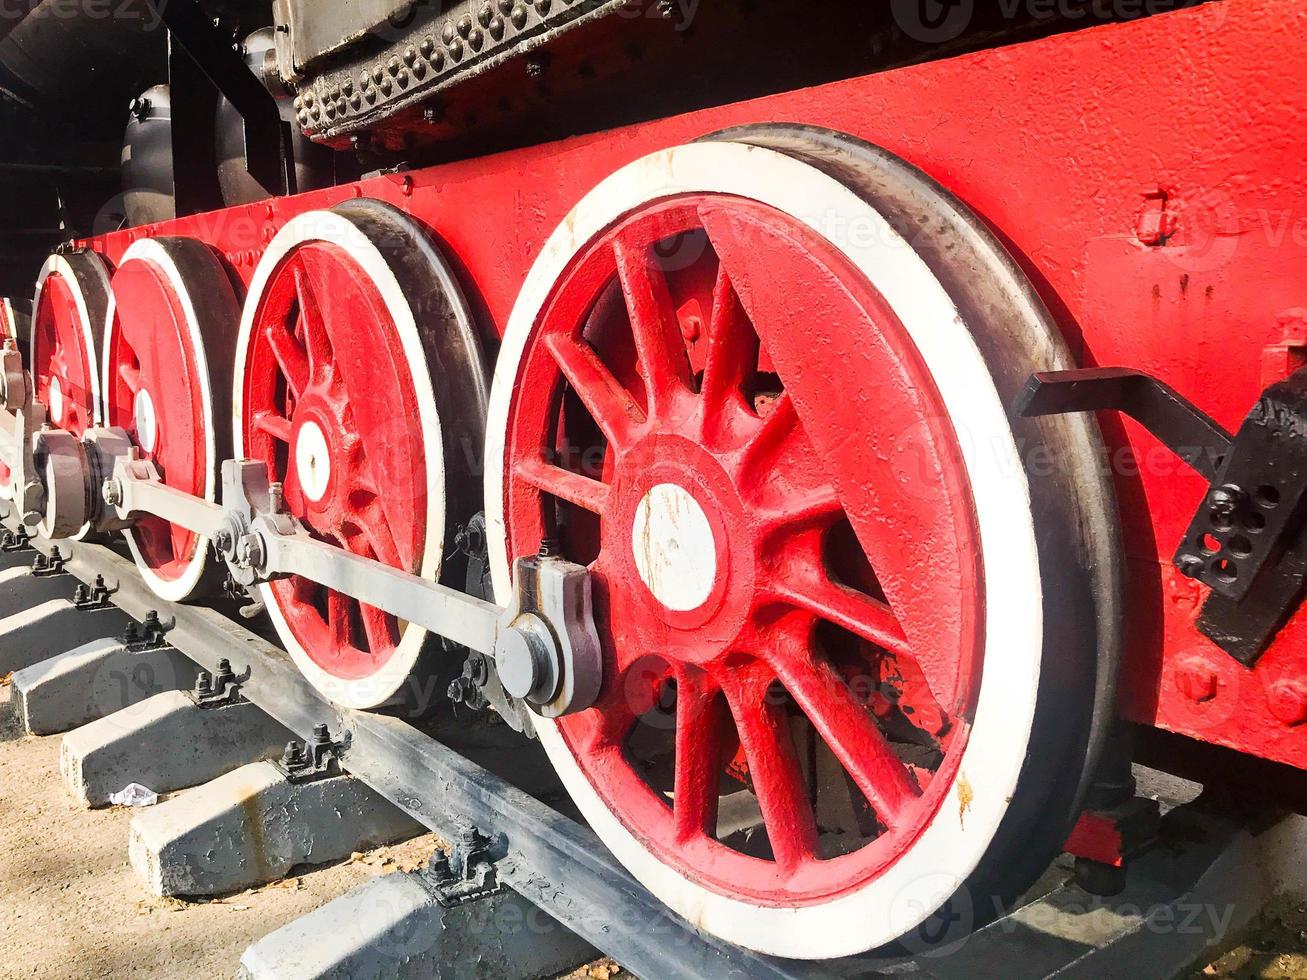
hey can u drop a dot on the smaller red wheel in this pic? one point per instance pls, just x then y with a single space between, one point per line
172 323
68 315
332 392
72 294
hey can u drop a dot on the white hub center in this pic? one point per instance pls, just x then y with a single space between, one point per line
675 552
146 421
312 461
56 401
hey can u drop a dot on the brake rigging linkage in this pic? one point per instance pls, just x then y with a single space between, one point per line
1248 539
544 643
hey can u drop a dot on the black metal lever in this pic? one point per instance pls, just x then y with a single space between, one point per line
1247 540
1181 425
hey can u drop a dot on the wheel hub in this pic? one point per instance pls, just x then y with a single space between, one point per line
146 421
56 397
312 461
672 542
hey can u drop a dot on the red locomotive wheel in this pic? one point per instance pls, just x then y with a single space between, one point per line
172 323
68 317
738 394
333 393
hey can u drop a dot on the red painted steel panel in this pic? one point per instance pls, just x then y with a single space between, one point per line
1150 177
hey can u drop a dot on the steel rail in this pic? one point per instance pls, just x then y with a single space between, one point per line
548 858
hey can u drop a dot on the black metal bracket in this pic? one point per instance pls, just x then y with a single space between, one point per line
1246 541
217 690
467 873
148 635
268 154
93 598
15 541
43 567
317 759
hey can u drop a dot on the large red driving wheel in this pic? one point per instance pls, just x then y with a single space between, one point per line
68 317
783 455
346 312
172 321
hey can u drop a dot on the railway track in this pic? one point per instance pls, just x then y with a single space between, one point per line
507 837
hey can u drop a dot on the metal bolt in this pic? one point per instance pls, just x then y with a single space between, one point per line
203 683
548 548
321 735
276 496
1287 701
1190 565
293 756
440 867
1196 680
1225 500
535 67
249 553
112 491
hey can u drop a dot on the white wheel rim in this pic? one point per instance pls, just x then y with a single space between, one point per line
58 265
952 845
337 229
156 254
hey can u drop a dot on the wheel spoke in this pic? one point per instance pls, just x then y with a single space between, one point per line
774 770
818 508
732 350
375 527
381 629
699 719
130 375
289 355
591 495
852 734
779 430
274 425
317 343
614 410
806 585
654 326
339 621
